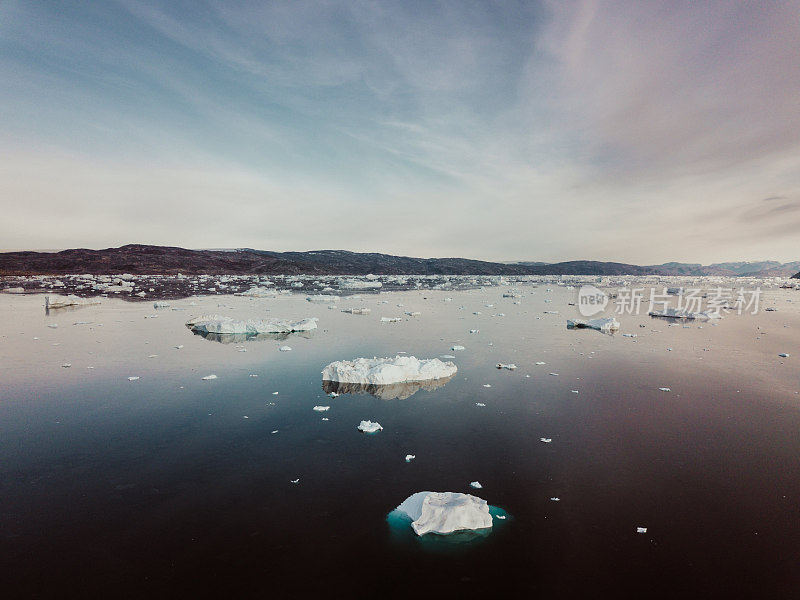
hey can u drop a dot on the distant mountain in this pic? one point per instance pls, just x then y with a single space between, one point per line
152 260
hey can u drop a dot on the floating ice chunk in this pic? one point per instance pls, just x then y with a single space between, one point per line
487 385
321 408
53 325
285 349
161 304
457 348
358 284
357 311
606 324
413 313
540 362
665 389
474 330
546 440
323 299
227 325
66 365
295 481
509 366
132 378
369 427
447 356
784 355
681 313
410 457
390 319
641 530
555 499
209 377
476 484
179 346
445 512
481 404
384 371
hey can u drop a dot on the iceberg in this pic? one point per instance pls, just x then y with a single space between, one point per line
385 371
227 325
369 427
322 299
681 313
70 300
606 324
445 512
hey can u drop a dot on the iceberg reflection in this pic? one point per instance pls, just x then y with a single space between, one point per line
392 391
236 338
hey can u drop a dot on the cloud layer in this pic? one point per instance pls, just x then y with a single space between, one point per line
627 131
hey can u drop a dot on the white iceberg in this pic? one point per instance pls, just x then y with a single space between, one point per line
445 512
384 371
606 324
509 366
357 311
369 427
228 325
70 300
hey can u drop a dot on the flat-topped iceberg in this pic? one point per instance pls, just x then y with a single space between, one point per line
445 512
323 299
70 300
358 284
385 371
681 313
606 324
228 325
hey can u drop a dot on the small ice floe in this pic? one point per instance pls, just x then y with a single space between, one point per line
501 517
323 299
410 457
333 395
476 484
665 389
66 365
487 385
575 391
457 348
133 378
384 371
641 530
629 335
413 313
445 512
209 377
275 393
161 304
784 355
369 427
681 313
253 375
274 431
509 366
295 481
554 374
321 408
447 356
153 356
179 346
606 324
357 311
53 325
227 325
390 319
245 417
474 330
481 404
546 440
540 362
285 349
555 499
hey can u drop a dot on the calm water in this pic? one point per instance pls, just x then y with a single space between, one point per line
161 486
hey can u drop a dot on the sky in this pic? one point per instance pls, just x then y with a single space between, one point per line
633 131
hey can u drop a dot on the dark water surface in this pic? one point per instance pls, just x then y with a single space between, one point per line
162 487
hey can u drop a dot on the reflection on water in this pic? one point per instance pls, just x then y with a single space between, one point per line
392 391
231 338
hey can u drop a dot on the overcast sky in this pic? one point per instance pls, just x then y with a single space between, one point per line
633 131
